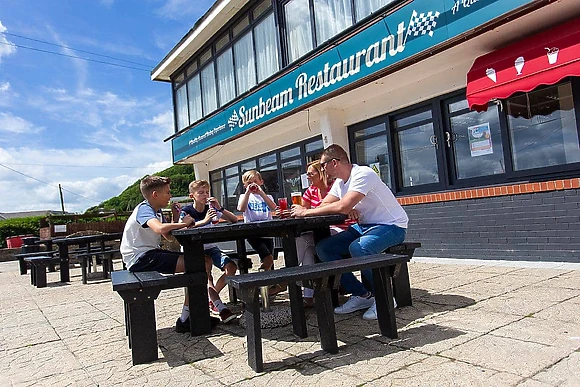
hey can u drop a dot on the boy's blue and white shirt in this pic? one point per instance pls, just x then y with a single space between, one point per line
138 238
257 208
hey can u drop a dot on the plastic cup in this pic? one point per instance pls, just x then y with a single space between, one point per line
297 198
283 204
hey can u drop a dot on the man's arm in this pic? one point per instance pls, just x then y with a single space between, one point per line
331 205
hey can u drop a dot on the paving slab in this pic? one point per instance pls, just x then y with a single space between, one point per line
472 323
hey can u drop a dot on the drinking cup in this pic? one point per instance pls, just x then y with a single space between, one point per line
297 198
283 204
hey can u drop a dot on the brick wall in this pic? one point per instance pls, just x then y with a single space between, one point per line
538 226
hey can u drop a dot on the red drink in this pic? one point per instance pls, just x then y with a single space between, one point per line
283 204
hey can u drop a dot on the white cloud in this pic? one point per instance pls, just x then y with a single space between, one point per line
6 47
10 123
179 9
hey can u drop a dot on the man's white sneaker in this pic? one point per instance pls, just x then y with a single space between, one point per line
371 313
353 304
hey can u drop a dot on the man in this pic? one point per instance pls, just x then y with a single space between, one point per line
359 192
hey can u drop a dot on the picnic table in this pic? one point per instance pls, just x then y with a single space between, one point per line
288 229
86 240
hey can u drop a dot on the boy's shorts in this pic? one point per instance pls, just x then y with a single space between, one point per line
262 246
219 259
163 261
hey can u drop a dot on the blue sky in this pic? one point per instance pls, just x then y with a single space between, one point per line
91 127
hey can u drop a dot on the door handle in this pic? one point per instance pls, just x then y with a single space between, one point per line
448 139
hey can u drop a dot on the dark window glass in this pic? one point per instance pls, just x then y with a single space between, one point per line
317 145
232 170
261 8
289 153
268 159
369 130
248 166
364 8
542 128
205 57
270 177
413 119
217 175
241 25
217 191
233 186
222 42
291 177
181 108
373 152
477 145
192 68
417 151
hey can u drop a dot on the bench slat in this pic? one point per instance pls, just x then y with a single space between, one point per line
299 273
124 280
150 278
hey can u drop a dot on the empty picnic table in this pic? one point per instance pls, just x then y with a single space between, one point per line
64 243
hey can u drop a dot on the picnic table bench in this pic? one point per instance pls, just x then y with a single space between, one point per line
139 291
105 255
22 263
324 276
38 266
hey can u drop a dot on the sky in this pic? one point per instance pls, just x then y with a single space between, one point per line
92 127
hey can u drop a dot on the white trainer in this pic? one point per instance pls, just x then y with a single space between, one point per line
353 304
371 313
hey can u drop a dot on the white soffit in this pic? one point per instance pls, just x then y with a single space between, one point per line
219 14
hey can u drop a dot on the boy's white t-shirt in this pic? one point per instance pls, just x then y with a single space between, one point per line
138 238
379 206
257 208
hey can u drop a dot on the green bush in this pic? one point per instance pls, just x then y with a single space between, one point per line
19 226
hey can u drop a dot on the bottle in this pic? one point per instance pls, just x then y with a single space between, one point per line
215 219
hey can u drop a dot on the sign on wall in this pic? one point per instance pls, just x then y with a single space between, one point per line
414 28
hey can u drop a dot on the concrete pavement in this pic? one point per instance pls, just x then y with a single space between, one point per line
472 323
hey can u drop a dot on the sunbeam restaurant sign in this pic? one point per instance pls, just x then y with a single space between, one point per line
414 28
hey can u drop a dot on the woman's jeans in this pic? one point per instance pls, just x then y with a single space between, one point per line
357 241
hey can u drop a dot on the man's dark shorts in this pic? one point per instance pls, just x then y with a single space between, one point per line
163 261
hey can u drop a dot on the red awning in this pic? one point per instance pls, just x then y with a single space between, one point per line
541 59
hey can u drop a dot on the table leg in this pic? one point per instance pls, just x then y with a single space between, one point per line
199 318
384 300
64 263
294 291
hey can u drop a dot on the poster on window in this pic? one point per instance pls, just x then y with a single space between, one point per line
376 167
480 140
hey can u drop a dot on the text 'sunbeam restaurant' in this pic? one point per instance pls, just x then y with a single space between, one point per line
468 109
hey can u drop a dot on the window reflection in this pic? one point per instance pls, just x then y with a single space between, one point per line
298 32
225 71
291 177
365 7
477 144
332 17
245 63
373 152
209 95
181 110
194 97
542 128
418 156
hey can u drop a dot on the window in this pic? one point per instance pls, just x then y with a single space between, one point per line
332 17
542 128
298 31
194 99
245 64
417 148
475 139
225 77
181 107
366 7
372 151
208 89
266 48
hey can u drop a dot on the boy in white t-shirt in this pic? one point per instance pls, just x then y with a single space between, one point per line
381 222
257 205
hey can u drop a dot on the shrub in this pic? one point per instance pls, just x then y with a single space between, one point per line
19 226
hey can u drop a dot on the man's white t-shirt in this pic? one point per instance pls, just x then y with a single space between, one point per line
138 238
379 205
257 208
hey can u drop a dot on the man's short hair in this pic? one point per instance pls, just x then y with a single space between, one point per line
335 151
249 175
194 185
151 183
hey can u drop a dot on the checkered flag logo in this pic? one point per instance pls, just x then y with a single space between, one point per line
421 24
233 120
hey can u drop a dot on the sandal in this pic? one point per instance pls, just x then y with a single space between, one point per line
275 289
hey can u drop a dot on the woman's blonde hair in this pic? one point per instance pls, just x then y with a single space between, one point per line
316 165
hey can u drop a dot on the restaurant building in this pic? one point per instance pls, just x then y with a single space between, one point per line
469 110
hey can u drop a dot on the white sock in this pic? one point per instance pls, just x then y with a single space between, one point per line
219 305
184 313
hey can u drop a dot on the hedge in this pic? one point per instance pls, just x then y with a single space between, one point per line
19 226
